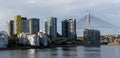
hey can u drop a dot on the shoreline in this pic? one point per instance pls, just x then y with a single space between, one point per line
44 47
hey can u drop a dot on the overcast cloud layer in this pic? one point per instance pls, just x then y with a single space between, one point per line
108 10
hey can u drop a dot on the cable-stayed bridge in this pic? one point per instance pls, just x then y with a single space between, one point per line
96 23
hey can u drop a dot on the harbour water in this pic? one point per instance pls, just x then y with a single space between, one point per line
103 51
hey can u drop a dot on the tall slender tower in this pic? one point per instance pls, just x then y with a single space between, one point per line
88 20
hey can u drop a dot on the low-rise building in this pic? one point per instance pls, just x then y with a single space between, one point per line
23 38
33 40
3 39
43 37
27 39
92 36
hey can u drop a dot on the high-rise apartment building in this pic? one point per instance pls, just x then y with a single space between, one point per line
72 29
69 28
20 24
10 27
33 25
65 28
17 24
51 27
24 24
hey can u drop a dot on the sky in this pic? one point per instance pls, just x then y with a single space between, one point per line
107 10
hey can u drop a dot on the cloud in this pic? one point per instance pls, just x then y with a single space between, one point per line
105 9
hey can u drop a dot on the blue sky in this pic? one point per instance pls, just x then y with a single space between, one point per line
108 10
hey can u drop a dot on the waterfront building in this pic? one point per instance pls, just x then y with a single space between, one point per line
17 24
24 23
20 24
69 28
65 28
23 38
51 27
92 36
43 37
28 39
33 24
72 28
33 40
3 39
10 27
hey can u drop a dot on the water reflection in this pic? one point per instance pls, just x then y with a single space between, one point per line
92 52
110 51
80 51
64 52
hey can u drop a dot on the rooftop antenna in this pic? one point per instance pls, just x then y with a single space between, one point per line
88 20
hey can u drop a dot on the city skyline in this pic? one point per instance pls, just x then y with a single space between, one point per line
59 28
60 9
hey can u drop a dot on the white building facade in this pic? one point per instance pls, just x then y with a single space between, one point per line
27 39
3 39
